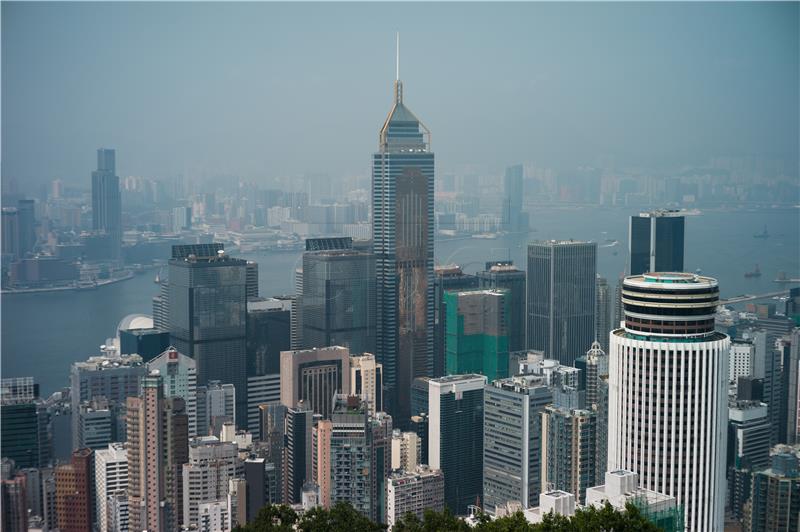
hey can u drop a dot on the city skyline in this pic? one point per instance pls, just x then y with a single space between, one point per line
643 105
447 346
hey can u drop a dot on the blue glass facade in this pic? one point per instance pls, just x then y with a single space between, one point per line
402 231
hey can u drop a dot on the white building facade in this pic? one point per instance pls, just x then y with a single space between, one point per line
668 374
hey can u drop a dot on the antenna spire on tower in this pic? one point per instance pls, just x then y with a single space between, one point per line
397 61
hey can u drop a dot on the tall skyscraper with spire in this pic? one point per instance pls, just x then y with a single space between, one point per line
402 232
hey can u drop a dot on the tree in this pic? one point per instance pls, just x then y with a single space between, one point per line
271 518
341 518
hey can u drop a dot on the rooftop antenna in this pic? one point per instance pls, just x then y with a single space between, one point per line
398 85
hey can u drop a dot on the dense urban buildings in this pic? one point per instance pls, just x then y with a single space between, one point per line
775 503
561 298
655 241
653 423
402 233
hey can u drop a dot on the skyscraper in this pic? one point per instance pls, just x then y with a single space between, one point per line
594 374
512 440
776 493
110 476
402 233
354 457
655 242
513 219
503 274
297 458
668 374
13 500
106 201
477 332
115 378
208 316
561 298
179 374
569 440
450 277
211 465
74 492
455 434
26 212
338 299
414 492
602 313
158 446
23 430
366 381
314 376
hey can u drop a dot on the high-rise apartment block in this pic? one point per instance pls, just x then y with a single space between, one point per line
216 405
74 493
179 374
455 437
671 429
366 381
212 464
402 235
413 492
569 442
110 477
775 503
158 446
602 313
561 298
512 440
655 241
353 457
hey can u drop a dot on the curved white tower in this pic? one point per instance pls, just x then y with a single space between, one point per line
668 370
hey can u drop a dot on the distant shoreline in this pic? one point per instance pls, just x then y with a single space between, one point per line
74 288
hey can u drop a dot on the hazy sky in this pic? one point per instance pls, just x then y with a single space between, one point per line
265 90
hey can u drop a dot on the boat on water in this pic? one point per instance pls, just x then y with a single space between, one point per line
754 273
762 234
783 278
488 236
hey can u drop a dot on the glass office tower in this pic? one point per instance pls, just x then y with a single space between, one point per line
208 316
106 200
561 298
402 232
655 242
